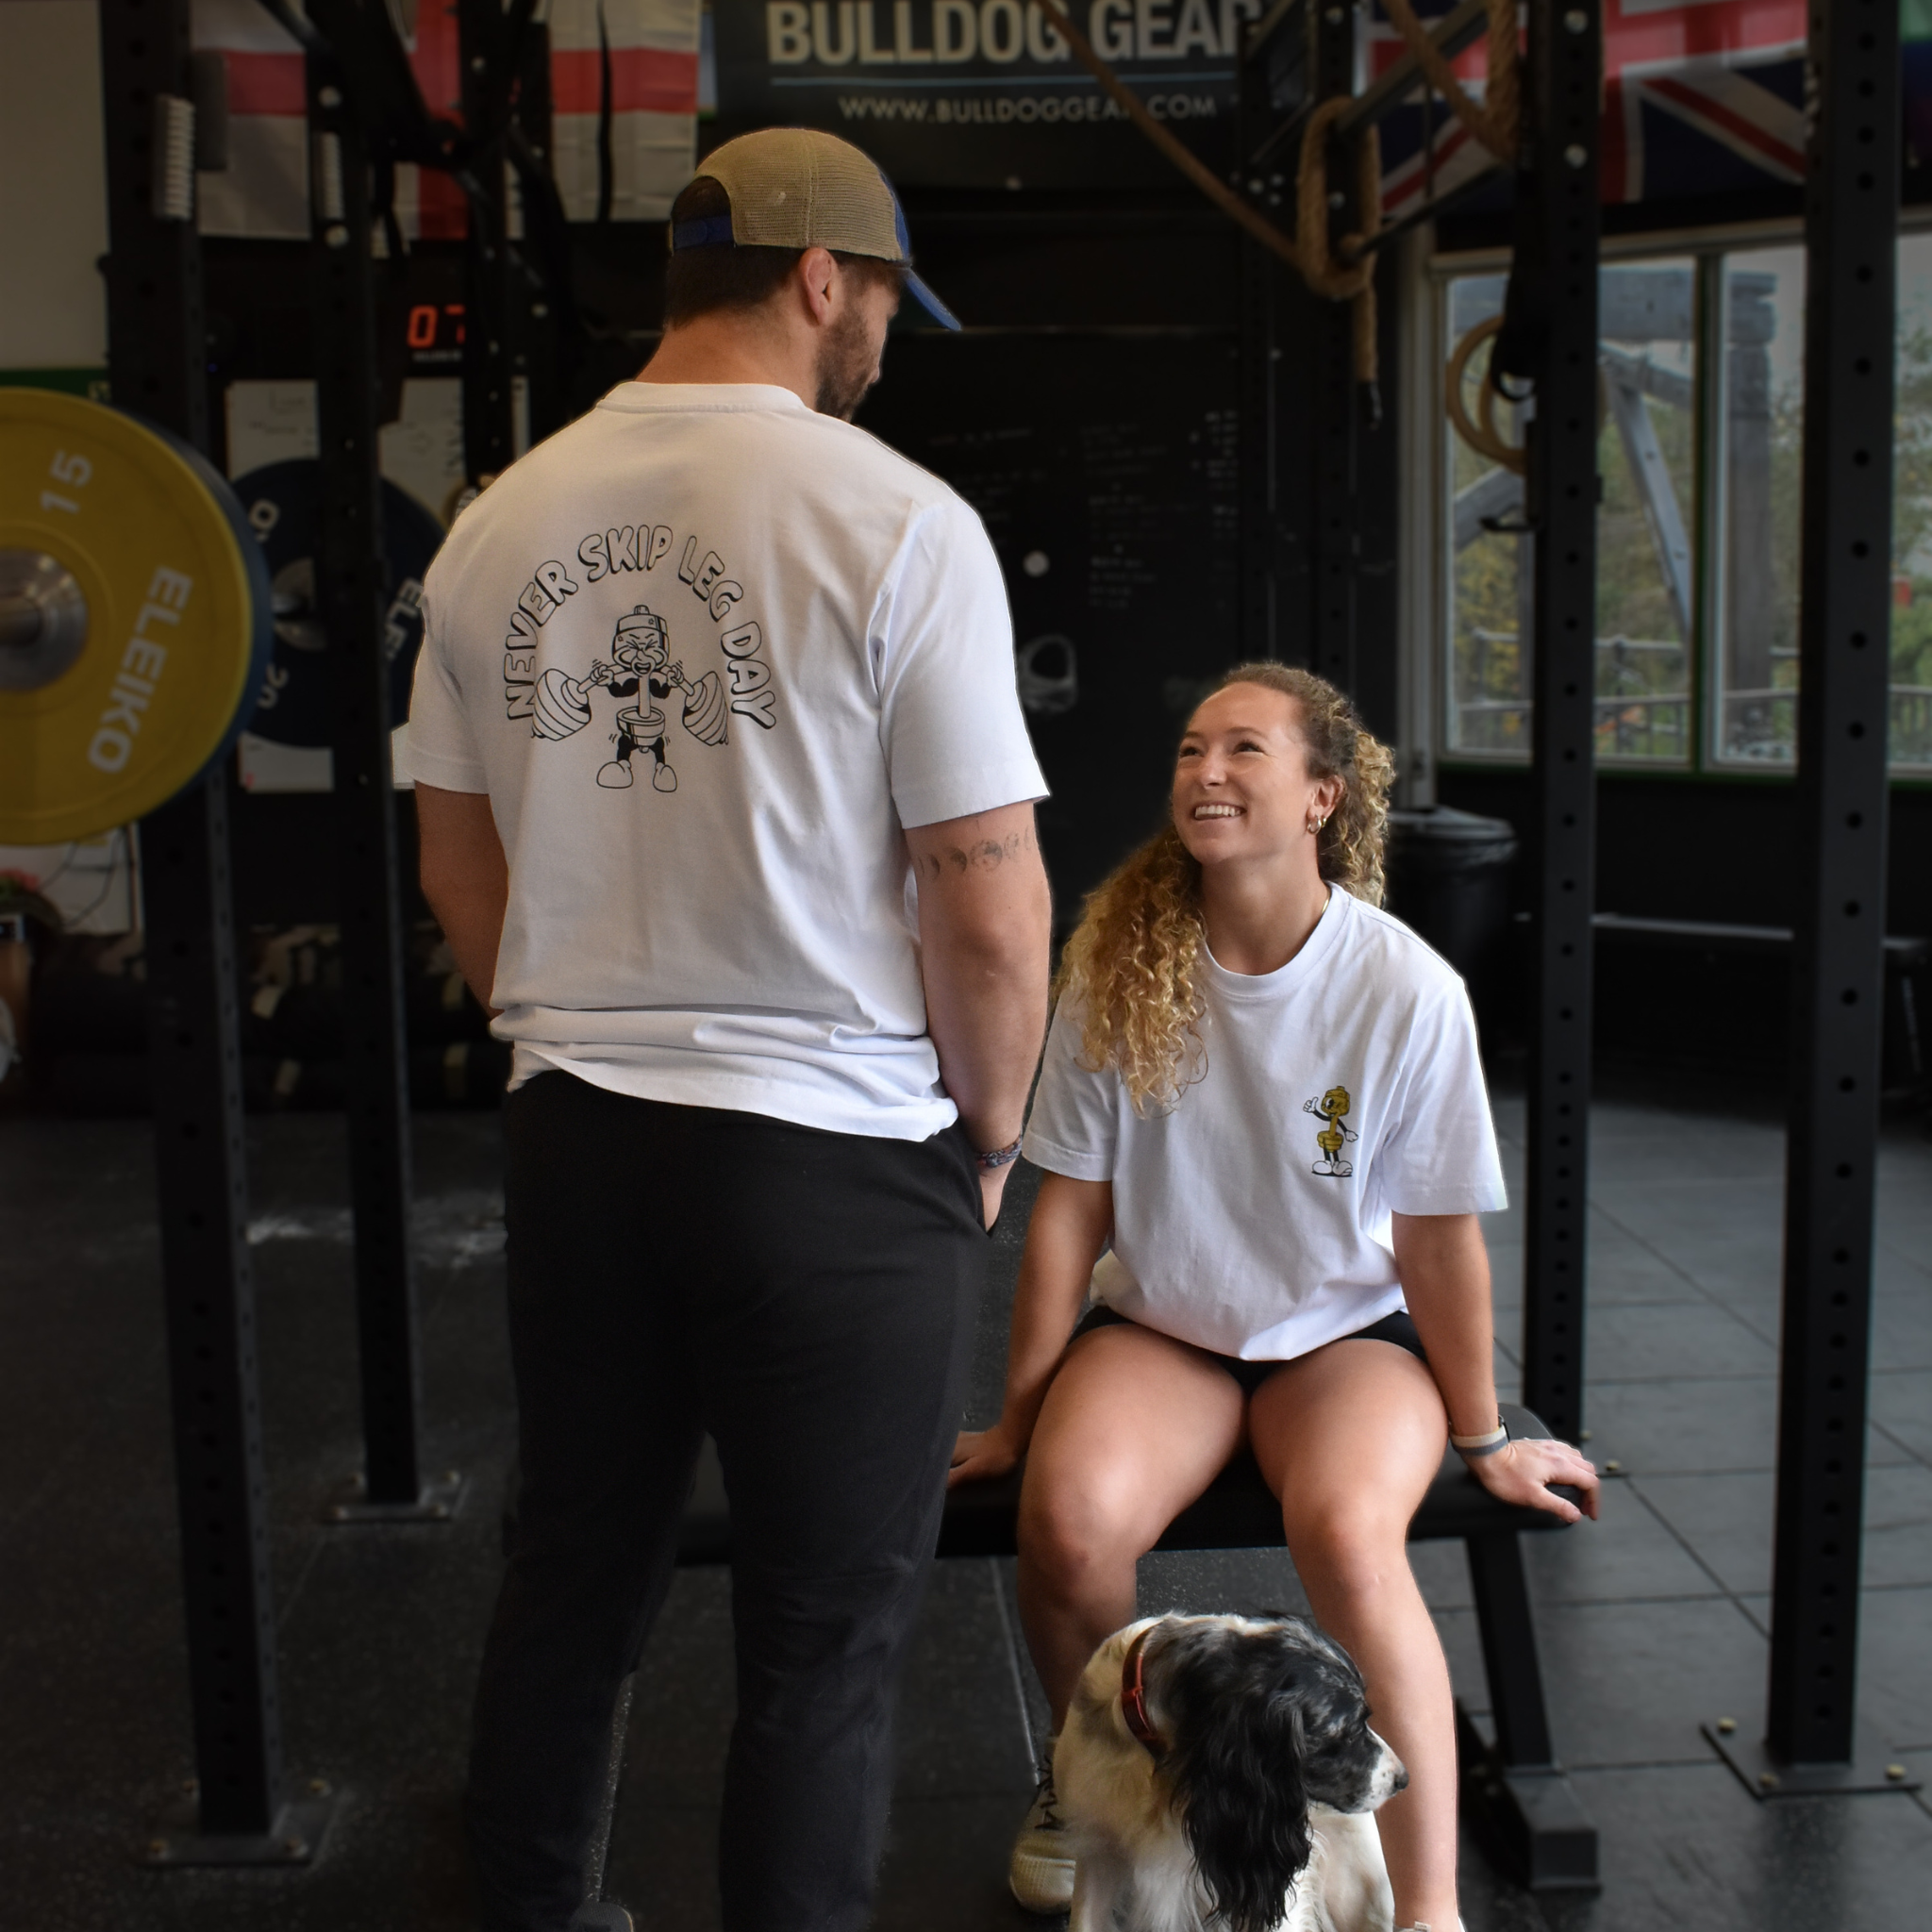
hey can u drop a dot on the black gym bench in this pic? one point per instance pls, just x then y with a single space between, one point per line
1513 1790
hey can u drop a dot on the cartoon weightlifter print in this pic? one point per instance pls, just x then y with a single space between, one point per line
641 670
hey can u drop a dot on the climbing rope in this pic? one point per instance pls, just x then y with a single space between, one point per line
1355 282
1217 190
1353 279
1495 123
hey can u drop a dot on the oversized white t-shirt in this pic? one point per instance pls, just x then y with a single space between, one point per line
709 653
1253 1218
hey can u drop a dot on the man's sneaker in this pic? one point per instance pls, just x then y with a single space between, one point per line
1042 1869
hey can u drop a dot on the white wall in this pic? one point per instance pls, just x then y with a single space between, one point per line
53 187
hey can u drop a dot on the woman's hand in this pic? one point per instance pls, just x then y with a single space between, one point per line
983 1453
1519 1474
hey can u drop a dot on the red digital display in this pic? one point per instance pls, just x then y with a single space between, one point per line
435 331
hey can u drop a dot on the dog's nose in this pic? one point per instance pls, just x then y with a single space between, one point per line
1402 1777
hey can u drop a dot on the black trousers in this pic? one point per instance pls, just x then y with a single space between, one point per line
808 1298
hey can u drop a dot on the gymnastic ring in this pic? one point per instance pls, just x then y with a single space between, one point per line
1481 436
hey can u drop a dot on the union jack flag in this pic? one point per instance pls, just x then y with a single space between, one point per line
628 68
1701 97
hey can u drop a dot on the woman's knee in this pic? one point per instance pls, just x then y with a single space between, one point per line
1350 1552
1073 1530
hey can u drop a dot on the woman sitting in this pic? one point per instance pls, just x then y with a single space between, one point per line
1264 1093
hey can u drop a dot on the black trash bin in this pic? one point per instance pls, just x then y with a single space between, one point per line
1449 881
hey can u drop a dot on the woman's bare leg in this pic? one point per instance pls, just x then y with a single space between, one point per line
1135 1426
1350 1438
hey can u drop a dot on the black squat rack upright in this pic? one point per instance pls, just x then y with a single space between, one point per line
363 109
1303 504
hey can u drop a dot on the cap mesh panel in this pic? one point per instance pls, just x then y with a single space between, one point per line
798 188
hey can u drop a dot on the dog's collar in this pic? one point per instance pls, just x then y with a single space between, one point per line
1134 1697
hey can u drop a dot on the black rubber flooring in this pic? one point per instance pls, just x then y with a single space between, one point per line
1651 1620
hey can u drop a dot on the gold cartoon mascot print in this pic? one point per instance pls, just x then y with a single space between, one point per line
1332 1111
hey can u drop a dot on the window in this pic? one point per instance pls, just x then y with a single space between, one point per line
1700 451
1911 515
1647 588
1760 441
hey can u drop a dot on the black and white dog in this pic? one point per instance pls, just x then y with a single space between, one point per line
1218 1769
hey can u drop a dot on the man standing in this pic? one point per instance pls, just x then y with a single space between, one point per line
774 1020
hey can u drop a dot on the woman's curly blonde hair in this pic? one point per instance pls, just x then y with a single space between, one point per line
1132 961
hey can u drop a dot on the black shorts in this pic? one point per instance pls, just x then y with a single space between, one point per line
1398 1329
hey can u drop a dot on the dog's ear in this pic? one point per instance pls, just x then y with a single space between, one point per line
1235 1766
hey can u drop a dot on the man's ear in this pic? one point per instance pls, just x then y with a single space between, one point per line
818 276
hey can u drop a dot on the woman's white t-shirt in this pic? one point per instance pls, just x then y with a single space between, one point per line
1253 1218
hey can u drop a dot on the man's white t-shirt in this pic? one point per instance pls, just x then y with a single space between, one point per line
709 653
1253 1219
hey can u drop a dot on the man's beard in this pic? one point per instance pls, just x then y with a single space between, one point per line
848 366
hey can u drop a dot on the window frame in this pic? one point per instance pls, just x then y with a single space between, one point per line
1429 672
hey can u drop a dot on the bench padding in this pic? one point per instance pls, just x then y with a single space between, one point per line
1237 1512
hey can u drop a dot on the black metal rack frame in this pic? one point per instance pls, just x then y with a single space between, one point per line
1552 334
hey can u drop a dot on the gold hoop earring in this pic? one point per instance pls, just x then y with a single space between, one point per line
1313 826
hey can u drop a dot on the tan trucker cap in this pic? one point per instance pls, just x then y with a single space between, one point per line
799 188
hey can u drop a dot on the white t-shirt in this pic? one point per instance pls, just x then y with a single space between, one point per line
709 653
1253 1218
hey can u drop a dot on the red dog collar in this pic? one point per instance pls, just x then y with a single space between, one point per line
1134 1697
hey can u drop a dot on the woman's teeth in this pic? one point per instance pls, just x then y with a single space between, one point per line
1217 811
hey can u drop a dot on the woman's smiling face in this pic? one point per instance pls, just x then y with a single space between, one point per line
1241 787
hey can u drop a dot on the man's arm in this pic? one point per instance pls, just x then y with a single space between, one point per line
466 880
1071 1220
984 924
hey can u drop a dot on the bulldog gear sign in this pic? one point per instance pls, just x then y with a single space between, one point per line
984 93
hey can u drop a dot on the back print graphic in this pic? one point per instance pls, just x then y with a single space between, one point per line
649 686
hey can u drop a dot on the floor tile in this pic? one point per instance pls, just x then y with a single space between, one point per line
1630 1684
1689 1847
962 1733
1626 1556
1726 1517
380 1630
1620 1270
1895 1685
1679 1342
1629 1149
1442 1574
1902 1402
1901 1313
1898 1528
1895 1690
1250 1582
664 1865
1654 1428
945 1867
1714 1230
